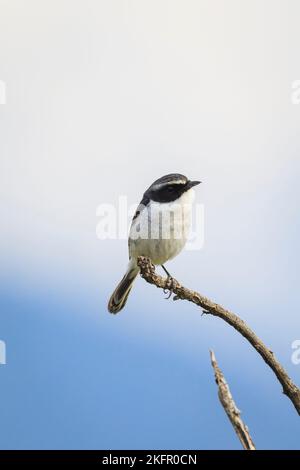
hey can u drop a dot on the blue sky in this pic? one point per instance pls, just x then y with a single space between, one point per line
103 98
79 378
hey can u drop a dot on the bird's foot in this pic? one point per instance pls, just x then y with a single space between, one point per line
168 287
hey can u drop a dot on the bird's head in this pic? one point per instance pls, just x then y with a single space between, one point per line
169 188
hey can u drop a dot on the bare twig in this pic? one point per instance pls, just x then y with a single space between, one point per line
230 407
148 273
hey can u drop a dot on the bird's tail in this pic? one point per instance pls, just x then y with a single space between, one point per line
119 296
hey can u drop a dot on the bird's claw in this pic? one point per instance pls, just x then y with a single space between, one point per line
168 287
205 312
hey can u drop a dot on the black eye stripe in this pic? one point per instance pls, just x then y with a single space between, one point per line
167 191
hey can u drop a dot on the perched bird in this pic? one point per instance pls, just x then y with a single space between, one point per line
159 229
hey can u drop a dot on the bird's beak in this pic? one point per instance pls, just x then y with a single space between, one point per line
190 184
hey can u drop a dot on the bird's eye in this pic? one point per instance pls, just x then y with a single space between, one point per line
170 189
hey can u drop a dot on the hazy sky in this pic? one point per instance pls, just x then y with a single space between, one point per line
103 97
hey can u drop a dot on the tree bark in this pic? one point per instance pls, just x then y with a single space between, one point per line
230 407
147 270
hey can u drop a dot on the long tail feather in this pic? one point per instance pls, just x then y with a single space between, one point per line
119 297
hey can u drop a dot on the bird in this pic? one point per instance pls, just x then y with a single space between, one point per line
159 229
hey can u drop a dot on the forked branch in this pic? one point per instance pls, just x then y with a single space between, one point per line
147 270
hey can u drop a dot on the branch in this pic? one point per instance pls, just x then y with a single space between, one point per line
230 407
147 270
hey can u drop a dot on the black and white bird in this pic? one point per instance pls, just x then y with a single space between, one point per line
159 229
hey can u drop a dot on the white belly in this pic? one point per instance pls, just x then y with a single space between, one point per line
160 231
